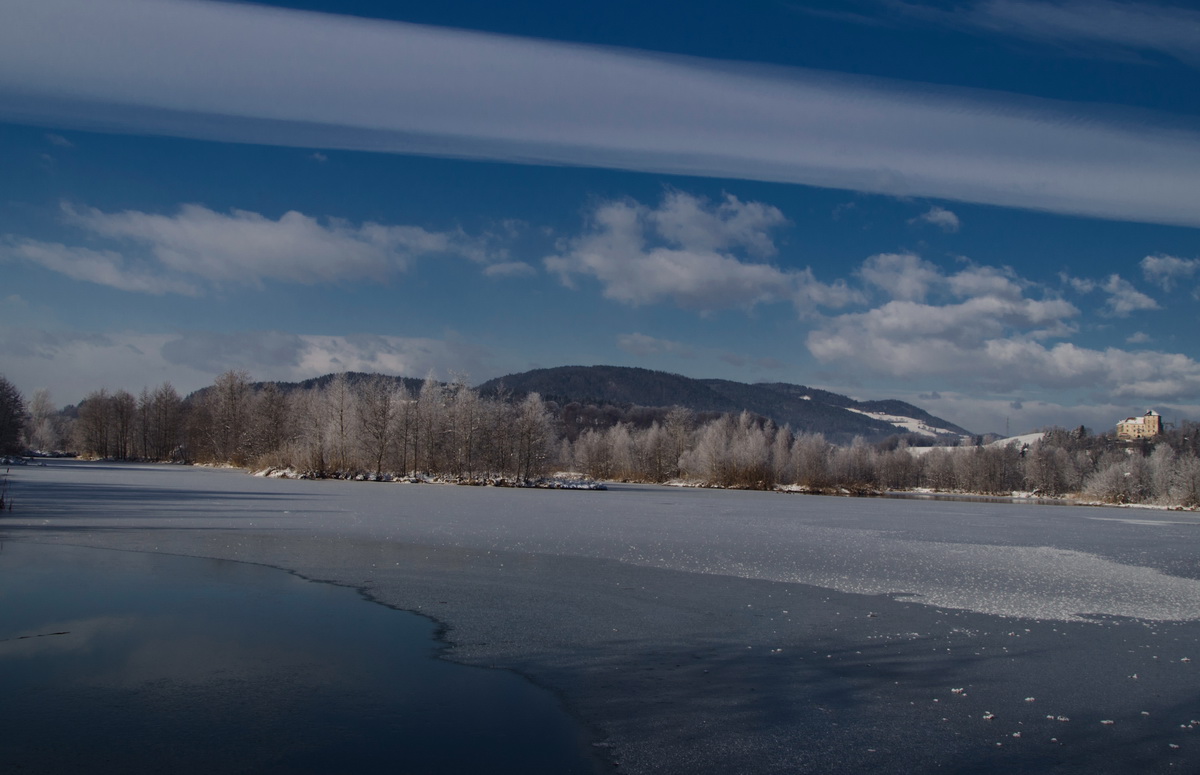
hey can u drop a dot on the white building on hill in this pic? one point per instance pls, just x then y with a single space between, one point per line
1149 424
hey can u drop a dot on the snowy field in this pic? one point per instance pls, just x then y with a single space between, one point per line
703 631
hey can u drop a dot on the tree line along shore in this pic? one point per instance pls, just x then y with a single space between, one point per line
378 428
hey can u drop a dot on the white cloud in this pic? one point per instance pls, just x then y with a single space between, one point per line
1123 298
1167 270
979 327
245 73
59 140
318 157
902 276
179 253
103 267
1139 337
1170 30
690 223
940 217
908 277
895 342
680 251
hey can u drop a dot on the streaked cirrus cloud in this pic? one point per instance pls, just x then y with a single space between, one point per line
244 73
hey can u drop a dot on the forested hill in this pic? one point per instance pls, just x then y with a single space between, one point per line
805 409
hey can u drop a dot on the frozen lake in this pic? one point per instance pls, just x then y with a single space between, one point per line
709 631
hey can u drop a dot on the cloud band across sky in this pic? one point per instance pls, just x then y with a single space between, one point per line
244 73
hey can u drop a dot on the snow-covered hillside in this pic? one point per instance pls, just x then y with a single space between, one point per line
908 424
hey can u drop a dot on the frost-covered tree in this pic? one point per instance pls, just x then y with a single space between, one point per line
43 426
534 433
465 425
339 398
228 404
310 450
271 425
377 405
810 461
1184 489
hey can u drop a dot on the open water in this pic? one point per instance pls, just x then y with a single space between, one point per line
118 661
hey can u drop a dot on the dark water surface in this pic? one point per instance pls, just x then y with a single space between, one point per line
120 661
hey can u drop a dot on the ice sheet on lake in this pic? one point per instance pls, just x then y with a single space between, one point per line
1030 582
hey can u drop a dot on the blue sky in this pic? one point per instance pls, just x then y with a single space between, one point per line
991 209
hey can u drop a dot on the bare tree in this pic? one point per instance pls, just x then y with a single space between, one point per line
229 406
810 459
310 448
271 425
94 427
12 417
533 436
465 423
166 431
377 406
340 400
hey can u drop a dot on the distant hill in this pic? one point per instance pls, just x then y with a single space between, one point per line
805 409
602 396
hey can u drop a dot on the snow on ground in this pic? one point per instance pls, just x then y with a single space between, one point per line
907 423
1027 439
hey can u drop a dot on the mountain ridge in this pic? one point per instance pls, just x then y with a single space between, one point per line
805 409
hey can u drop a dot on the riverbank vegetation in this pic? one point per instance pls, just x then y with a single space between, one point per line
380 428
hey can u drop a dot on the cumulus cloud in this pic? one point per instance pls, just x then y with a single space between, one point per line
1167 270
1123 298
872 343
940 217
246 73
181 252
983 327
903 276
908 277
686 250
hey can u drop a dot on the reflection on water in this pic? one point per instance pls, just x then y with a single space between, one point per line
120 661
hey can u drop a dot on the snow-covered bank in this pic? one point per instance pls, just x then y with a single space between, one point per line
561 481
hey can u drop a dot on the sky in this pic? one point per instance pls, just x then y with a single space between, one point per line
990 208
